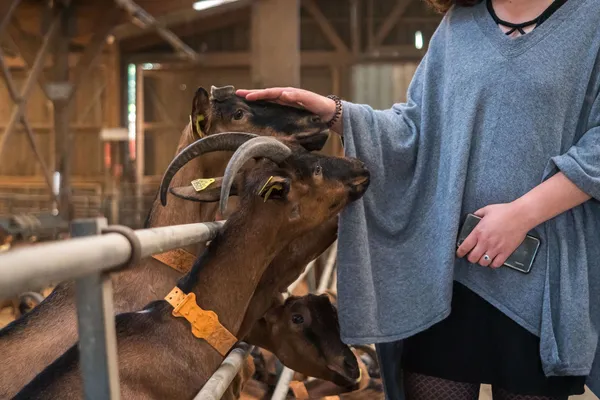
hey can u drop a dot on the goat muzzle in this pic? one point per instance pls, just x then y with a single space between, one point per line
227 141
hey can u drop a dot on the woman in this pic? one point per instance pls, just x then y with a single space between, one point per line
502 120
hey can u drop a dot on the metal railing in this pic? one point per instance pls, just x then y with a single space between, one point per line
95 250
88 258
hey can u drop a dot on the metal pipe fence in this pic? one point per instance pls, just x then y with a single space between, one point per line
88 258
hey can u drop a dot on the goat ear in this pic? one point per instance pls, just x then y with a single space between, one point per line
202 190
275 187
199 115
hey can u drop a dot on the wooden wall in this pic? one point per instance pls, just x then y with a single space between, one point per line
88 117
168 93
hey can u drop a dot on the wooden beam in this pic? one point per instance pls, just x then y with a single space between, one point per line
140 16
355 31
282 17
34 74
370 27
105 24
197 27
63 139
7 8
307 58
19 63
235 59
328 29
391 21
28 51
112 82
181 16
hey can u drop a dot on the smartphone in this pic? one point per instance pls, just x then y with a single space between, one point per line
520 260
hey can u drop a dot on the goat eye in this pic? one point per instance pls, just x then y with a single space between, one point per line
239 114
318 170
297 319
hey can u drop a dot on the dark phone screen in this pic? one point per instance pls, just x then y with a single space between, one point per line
521 259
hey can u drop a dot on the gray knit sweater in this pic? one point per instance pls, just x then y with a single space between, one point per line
487 119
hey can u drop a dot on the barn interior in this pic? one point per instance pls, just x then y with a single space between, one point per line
95 93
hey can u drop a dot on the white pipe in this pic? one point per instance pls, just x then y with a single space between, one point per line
218 383
32 267
324 283
283 384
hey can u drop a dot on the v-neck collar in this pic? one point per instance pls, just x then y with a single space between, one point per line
514 46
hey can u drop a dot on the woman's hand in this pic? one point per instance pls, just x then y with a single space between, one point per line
502 229
315 103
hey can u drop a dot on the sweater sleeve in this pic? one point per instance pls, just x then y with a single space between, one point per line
581 162
369 133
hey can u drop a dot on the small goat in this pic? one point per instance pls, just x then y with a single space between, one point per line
301 325
32 342
285 195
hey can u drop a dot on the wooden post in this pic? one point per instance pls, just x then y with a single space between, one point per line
112 118
59 92
139 143
355 22
275 57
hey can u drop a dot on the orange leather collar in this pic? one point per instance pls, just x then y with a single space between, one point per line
299 390
205 324
178 259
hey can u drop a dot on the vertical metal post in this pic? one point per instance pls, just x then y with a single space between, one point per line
96 323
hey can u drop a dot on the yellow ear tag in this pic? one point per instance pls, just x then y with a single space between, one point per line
199 118
276 186
262 190
201 184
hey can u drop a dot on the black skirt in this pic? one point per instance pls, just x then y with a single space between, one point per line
477 343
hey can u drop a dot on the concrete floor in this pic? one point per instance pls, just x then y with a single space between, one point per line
486 394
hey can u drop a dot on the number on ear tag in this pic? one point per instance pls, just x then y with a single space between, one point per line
201 184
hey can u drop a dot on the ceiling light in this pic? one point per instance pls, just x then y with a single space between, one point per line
204 4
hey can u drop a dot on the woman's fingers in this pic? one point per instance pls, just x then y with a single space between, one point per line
262 94
313 102
490 258
499 260
467 245
477 253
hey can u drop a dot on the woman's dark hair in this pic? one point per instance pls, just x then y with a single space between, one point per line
444 5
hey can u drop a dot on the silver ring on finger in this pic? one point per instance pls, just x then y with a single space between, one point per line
486 257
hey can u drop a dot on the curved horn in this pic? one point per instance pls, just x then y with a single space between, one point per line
263 146
227 141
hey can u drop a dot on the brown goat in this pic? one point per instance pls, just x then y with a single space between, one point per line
306 324
288 193
31 343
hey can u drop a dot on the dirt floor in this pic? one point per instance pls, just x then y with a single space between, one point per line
485 394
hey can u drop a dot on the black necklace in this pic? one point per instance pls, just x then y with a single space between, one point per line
519 27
